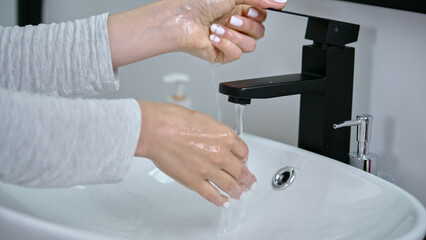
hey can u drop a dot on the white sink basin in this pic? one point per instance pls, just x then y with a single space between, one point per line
327 200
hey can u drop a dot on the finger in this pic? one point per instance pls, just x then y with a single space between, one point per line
239 172
228 184
257 14
277 4
246 43
229 50
247 26
211 194
240 149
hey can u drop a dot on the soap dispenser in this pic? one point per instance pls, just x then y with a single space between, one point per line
178 97
362 158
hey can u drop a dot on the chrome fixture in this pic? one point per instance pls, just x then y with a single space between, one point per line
283 178
362 158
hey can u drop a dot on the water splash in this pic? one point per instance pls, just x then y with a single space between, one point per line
233 218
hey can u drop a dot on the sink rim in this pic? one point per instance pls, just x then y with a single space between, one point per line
415 231
11 216
48 227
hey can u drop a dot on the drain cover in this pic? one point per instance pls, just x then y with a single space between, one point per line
283 178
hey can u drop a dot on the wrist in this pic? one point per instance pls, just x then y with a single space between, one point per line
182 25
146 124
144 32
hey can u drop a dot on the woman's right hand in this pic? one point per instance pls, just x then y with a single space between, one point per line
195 150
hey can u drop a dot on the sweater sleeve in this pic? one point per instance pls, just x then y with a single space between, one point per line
57 142
48 141
65 59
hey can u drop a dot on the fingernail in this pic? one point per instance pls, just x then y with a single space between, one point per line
281 1
236 21
217 29
253 186
247 179
253 13
214 38
226 204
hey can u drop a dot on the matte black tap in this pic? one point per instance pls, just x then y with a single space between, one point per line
325 84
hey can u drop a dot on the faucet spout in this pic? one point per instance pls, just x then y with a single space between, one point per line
325 85
269 87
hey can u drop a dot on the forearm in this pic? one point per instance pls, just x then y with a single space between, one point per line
143 32
58 142
65 59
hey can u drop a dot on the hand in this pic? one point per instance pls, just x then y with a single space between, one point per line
195 150
235 27
186 25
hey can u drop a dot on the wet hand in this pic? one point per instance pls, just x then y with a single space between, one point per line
218 31
221 30
195 150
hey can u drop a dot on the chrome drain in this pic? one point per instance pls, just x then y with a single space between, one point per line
283 178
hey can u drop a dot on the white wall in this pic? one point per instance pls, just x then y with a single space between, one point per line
390 77
390 83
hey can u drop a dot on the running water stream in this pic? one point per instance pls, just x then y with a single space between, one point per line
233 217
239 110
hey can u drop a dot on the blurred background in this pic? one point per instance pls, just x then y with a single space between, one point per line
389 81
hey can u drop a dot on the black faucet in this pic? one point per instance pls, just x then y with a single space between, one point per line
325 85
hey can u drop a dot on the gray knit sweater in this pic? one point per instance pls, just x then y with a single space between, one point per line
47 138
